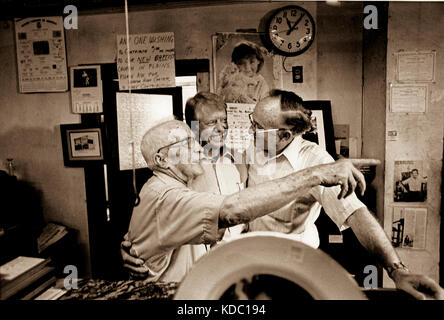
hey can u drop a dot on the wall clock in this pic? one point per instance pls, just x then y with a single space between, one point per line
290 30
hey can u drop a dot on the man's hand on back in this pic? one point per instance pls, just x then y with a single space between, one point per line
135 266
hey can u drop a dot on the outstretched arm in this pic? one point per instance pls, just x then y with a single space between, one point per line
372 237
257 201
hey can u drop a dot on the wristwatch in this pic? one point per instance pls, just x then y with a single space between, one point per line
396 266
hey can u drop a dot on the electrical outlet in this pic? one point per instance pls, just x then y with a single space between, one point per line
298 76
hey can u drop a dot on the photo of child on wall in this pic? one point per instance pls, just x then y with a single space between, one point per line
241 67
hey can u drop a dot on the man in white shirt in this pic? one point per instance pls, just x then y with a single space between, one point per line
278 122
206 115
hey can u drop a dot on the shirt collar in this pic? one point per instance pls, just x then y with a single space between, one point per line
226 154
167 179
291 153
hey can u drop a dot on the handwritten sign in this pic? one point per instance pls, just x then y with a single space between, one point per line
151 61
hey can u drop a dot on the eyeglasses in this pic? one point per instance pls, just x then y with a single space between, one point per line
256 128
189 140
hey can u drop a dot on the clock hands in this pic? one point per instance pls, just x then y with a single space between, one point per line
295 24
288 22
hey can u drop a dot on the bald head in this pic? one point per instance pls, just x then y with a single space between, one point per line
282 109
160 136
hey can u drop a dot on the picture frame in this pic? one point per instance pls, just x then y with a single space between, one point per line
323 131
229 80
82 144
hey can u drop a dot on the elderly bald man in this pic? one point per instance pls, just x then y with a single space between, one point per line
171 216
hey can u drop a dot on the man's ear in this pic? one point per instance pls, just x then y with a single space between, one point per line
286 135
160 161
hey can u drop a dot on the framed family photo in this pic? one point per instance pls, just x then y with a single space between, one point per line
81 144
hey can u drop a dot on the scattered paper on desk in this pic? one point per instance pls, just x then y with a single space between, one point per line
51 294
51 234
18 266
136 113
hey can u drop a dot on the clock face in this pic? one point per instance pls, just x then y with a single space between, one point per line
291 30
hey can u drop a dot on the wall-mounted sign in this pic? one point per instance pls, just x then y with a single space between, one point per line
416 66
41 54
86 89
151 61
408 98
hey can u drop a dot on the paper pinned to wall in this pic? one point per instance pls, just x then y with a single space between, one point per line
416 66
409 227
41 54
408 98
151 60
239 123
146 110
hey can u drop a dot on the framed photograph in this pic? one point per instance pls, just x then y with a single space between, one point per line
81 144
322 131
242 67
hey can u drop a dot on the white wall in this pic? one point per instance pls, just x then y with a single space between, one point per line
417 26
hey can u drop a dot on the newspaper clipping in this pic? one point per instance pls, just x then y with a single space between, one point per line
410 182
409 227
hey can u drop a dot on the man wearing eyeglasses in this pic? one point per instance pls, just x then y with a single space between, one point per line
278 123
171 217
206 115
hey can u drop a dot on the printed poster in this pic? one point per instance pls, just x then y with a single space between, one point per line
41 54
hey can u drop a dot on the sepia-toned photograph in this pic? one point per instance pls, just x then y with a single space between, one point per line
243 67
81 144
410 182
197 154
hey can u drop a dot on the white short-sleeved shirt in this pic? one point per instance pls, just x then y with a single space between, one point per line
298 217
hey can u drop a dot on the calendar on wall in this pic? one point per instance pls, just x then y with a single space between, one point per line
41 54
86 89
